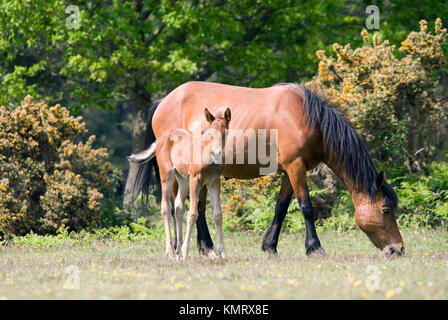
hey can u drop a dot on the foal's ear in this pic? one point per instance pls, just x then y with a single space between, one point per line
210 118
380 179
227 115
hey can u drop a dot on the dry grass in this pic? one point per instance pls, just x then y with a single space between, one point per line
113 269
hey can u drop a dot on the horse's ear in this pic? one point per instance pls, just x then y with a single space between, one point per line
210 118
227 115
380 179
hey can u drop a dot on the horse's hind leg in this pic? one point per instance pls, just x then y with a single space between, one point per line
270 239
215 200
297 175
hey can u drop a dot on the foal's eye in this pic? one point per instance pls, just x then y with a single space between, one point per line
386 211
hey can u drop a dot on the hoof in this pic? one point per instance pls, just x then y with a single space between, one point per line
213 256
272 255
203 250
318 252
269 248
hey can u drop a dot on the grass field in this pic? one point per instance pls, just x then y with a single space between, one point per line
113 269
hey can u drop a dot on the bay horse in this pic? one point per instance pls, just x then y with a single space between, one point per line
175 159
309 130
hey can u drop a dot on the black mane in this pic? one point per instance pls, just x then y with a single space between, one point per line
341 140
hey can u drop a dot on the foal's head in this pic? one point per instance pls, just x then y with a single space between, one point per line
214 136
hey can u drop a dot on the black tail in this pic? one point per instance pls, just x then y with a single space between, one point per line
145 175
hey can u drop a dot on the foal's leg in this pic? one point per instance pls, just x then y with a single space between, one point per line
179 208
167 183
173 213
270 239
192 213
297 175
215 200
205 243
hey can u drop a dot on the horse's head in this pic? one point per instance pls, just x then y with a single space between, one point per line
376 217
215 134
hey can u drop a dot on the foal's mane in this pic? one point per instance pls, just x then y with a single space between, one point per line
341 141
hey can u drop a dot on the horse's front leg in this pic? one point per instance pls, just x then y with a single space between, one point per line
192 213
215 200
297 175
270 239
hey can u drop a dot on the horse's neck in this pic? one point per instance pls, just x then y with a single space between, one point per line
356 192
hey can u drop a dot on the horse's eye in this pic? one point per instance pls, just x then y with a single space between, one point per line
386 211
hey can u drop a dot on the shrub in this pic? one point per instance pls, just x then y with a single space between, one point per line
249 203
424 199
392 97
49 178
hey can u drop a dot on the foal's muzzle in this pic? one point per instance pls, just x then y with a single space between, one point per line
216 157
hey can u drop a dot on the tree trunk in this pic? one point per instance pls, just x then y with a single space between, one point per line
140 102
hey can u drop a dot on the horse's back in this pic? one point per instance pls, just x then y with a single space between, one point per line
278 108
251 107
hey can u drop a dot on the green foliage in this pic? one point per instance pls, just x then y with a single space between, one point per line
424 199
138 232
139 49
48 181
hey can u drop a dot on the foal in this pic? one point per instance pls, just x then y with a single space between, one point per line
194 161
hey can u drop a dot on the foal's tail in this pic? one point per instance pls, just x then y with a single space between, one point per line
146 160
144 156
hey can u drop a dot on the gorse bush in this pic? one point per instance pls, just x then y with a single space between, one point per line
49 179
392 97
248 204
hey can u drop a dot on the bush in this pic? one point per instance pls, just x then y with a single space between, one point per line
249 204
392 97
49 179
424 199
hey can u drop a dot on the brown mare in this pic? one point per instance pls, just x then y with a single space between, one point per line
174 152
309 132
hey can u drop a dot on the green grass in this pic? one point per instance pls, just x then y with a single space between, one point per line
122 269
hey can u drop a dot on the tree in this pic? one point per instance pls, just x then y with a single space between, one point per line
137 51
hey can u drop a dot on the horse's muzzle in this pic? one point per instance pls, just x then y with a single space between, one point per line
393 250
